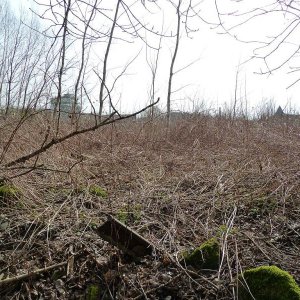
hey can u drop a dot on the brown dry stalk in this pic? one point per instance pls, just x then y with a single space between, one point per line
30 275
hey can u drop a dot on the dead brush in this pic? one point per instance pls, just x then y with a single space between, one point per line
207 177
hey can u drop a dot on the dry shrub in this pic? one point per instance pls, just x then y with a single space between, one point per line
204 177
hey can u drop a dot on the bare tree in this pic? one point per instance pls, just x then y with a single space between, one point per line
184 12
22 49
153 66
173 59
69 24
78 37
279 47
105 61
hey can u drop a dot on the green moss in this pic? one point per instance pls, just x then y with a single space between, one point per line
98 191
267 282
204 257
93 292
129 214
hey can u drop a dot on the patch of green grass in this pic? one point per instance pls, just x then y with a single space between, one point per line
98 191
129 214
93 190
267 282
93 292
224 228
9 193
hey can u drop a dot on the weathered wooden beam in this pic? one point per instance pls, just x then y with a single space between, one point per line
124 238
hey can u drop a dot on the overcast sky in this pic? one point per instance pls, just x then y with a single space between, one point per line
212 77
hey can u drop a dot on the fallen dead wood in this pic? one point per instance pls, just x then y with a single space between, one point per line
124 238
30 275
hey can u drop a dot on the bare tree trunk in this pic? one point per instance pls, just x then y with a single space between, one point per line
153 67
13 65
235 95
62 65
171 74
105 61
82 62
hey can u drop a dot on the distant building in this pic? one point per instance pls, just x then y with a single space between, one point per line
66 104
279 112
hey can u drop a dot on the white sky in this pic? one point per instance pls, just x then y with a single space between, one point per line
212 78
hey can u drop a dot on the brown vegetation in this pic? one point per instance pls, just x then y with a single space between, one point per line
237 181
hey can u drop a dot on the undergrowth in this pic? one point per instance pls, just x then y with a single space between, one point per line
236 180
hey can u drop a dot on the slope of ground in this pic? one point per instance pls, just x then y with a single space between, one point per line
207 177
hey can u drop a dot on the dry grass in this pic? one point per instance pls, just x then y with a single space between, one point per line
238 181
